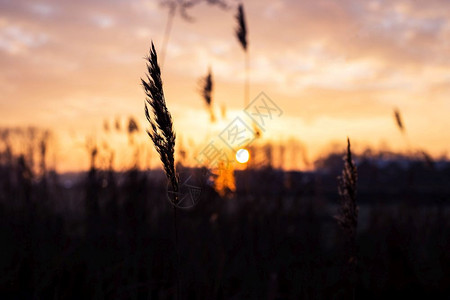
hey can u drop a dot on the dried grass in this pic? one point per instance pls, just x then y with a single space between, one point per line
348 213
348 216
206 92
241 30
398 120
162 133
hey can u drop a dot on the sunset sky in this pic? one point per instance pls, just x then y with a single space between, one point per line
335 68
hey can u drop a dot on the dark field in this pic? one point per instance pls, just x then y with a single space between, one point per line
109 235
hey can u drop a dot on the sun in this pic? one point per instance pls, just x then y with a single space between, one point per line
242 156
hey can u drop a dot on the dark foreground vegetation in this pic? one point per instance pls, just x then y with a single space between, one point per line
109 235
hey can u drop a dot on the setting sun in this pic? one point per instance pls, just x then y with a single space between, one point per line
242 156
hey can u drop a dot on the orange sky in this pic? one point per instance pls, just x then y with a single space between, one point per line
335 68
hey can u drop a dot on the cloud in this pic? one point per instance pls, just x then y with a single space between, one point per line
42 9
17 40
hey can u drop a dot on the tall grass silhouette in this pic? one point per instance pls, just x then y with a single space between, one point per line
278 242
348 213
162 133
241 35
207 86
428 160
399 120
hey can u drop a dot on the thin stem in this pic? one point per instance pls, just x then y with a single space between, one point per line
247 79
177 267
409 147
167 31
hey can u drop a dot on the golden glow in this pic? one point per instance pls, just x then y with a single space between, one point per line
331 77
224 181
242 156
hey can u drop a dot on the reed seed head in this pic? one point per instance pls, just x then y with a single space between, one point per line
161 132
398 120
241 31
348 213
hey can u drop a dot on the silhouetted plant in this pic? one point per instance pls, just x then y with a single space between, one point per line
348 212
401 126
132 125
241 31
106 125
117 124
398 120
92 150
429 161
43 148
25 177
162 133
348 216
206 92
132 128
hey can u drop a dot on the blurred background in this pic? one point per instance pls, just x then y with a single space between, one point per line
335 69
83 198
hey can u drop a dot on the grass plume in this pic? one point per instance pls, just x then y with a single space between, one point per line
105 125
241 30
161 133
398 120
348 215
132 125
117 124
241 34
401 126
429 161
206 92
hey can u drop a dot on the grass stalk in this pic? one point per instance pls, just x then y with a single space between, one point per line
348 214
163 136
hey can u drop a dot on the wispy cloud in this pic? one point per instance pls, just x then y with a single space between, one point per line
17 40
